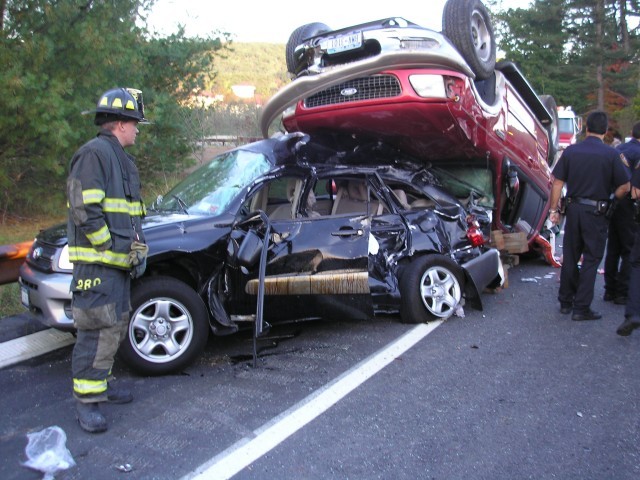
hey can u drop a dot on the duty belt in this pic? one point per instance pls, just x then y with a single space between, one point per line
583 201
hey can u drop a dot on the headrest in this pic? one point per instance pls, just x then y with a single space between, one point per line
357 190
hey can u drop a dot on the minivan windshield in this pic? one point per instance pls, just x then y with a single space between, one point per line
210 189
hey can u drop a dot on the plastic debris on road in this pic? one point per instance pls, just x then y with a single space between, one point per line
125 467
529 280
459 311
47 452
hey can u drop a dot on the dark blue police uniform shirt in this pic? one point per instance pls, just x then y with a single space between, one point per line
635 178
591 169
631 151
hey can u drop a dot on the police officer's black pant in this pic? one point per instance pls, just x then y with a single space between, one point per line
101 302
585 235
617 266
632 308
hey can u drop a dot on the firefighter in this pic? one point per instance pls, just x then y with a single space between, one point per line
106 246
621 233
591 171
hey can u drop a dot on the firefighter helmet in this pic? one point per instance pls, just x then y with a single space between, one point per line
120 104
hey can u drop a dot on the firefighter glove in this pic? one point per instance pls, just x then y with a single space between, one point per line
138 258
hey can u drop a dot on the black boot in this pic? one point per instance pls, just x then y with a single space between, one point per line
90 417
118 395
628 326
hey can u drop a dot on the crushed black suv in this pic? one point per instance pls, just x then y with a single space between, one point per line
283 229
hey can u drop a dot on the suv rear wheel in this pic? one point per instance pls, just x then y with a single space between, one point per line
431 287
168 328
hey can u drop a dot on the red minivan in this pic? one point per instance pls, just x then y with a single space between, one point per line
438 96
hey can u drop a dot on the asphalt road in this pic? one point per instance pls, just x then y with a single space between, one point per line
515 391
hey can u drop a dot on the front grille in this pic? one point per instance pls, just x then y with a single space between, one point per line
368 88
45 258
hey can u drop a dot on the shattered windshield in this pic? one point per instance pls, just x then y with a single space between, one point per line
210 189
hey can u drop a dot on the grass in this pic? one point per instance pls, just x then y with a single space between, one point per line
15 230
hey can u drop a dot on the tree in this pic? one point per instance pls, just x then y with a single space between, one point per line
581 51
58 56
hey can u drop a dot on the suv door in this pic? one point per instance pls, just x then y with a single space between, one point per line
317 265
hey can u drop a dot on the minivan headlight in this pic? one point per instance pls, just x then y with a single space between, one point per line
428 86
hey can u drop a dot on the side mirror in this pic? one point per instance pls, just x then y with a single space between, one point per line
250 249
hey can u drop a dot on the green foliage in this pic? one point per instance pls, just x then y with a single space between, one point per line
259 64
583 52
58 57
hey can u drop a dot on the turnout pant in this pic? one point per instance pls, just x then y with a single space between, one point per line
101 304
585 235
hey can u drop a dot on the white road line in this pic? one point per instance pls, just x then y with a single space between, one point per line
29 346
274 432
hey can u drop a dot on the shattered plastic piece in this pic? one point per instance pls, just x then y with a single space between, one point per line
125 467
529 280
47 452
459 311
579 414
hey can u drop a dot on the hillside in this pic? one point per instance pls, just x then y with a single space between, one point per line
262 65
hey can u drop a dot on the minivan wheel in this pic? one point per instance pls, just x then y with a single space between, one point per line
431 287
467 24
552 129
298 36
168 328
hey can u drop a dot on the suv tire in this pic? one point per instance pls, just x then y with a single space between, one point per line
168 329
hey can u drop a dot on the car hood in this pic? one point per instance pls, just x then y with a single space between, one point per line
167 231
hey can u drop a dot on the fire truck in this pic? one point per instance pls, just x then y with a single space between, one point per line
569 126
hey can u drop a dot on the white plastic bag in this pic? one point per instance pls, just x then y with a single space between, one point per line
47 452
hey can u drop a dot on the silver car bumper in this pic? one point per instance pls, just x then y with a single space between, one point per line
47 296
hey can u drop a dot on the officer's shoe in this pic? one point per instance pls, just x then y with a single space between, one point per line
608 297
565 308
586 315
628 326
118 395
90 417
620 300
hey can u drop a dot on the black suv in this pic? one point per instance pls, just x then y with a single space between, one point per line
282 229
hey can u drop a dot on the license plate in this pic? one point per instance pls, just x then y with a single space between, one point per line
24 295
342 43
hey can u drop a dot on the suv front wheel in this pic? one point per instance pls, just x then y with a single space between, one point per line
168 327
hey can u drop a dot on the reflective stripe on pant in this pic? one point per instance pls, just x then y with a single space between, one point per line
101 315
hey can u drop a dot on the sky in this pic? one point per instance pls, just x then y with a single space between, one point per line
273 20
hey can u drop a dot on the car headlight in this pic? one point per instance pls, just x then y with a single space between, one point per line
63 259
428 86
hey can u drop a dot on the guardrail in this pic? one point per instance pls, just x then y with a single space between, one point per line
11 258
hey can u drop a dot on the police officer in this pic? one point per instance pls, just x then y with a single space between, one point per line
591 171
106 246
632 309
621 233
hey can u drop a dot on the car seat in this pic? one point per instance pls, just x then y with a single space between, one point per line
353 197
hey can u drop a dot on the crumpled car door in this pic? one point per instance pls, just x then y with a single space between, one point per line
317 267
